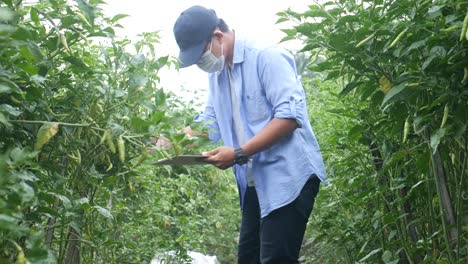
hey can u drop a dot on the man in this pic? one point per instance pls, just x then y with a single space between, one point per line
257 107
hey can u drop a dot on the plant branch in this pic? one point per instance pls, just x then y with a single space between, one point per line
43 122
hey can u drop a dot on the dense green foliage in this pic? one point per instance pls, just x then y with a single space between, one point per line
391 120
78 110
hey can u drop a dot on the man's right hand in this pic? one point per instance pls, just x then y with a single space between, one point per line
160 143
222 157
164 143
192 133
189 132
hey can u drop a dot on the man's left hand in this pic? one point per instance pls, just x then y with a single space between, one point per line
222 157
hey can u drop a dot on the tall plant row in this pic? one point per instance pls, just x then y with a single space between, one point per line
399 173
78 110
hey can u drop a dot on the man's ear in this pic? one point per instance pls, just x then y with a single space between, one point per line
218 34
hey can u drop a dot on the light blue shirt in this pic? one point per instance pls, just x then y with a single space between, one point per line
267 86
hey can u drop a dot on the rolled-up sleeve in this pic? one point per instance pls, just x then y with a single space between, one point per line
282 86
208 116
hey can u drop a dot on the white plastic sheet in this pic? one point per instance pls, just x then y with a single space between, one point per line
197 258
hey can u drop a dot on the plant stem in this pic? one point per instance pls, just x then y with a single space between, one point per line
459 206
43 122
435 162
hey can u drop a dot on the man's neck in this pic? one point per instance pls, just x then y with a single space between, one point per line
229 45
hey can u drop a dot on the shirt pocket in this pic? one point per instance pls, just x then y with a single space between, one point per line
257 107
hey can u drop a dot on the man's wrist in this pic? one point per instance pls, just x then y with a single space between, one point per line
240 157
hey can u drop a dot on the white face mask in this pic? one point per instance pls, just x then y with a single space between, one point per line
209 63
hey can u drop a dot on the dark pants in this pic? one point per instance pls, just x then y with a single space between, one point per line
276 238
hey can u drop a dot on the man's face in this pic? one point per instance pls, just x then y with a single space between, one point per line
212 59
215 46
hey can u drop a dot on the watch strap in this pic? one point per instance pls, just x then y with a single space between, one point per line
240 157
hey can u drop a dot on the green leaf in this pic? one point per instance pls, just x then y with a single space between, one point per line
341 43
416 185
287 38
3 120
347 19
68 21
163 60
19 156
7 86
9 223
83 203
309 29
289 32
6 29
28 68
40 255
326 65
291 13
48 211
6 15
373 252
416 45
356 132
32 52
87 9
34 15
137 80
160 98
76 62
438 51
332 75
65 201
6 108
436 138
45 133
460 131
349 87
104 212
108 32
22 33
316 12
118 17
4 88
27 193
428 61
281 20
363 247
394 91
38 78
25 175
435 11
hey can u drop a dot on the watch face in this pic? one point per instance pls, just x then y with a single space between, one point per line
242 160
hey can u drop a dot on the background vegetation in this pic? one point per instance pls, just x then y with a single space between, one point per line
391 116
78 110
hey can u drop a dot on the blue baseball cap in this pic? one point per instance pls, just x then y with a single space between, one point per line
193 30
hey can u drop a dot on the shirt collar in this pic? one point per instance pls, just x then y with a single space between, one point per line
239 45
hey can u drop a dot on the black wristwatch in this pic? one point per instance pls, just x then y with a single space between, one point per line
240 157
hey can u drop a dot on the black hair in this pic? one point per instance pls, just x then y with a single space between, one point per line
223 26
